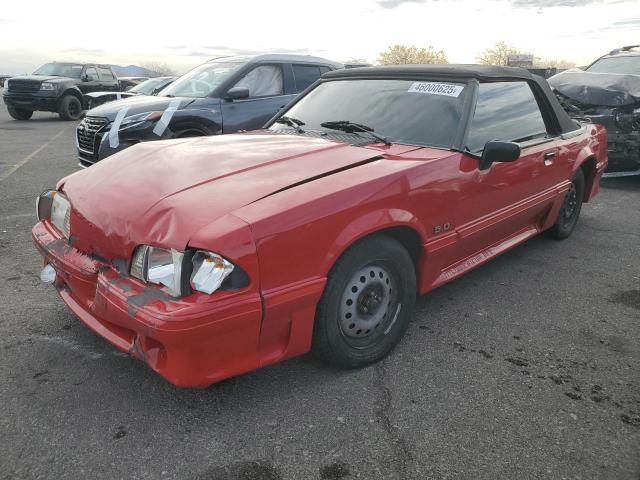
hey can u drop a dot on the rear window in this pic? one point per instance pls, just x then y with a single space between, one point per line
305 75
505 111
405 111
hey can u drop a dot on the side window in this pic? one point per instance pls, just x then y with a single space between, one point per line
91 74
324 69
262 81
305 75
506 111
105 74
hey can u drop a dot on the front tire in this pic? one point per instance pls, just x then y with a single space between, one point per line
70 108
19 113
367 304
570 211
188 133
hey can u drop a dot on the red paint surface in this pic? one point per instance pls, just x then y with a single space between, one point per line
283 208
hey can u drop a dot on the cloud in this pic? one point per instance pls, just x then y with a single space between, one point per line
627 25
552 3
561 3
84 51
628 21
396 3
223 50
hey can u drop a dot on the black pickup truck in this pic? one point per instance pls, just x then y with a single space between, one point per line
57 87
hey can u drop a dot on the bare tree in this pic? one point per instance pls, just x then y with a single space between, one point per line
498 54
158 69
404 54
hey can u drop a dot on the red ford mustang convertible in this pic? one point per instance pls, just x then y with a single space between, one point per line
209 257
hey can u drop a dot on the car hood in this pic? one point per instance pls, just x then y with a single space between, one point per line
161 193
107 94
601 89
41 78
137 104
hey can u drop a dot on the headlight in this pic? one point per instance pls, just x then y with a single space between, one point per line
160 266
135 120
209 271
47 86
54 206
167 267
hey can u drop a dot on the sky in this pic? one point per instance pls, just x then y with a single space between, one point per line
185 33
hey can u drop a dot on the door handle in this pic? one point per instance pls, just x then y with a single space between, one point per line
549 157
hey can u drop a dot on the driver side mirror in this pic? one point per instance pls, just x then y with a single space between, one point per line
237 93
84 77
495 151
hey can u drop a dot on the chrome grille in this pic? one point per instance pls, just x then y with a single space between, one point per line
23 86
86 132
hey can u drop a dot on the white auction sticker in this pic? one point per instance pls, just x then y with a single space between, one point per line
436 88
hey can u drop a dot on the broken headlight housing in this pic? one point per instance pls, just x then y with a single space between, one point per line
139 119
160 266
178 271
53 206
209 271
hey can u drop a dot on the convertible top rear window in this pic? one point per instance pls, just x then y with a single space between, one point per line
404 111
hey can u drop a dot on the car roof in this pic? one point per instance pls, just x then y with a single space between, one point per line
461 71
276 57
83 64
621 54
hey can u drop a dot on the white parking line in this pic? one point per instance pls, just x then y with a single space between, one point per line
17 215
30 156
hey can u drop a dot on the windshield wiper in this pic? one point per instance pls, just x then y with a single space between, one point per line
292 122
351 127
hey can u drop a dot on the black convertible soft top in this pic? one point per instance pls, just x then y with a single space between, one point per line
483 73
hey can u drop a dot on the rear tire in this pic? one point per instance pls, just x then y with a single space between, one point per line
70 108
19 113
570 211
367 304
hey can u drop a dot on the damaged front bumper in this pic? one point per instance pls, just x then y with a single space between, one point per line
624 153
192 341
623 143
623 133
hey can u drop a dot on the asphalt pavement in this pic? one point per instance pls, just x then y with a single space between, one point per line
526 368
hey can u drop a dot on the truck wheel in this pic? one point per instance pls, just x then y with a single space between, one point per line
19 113
367 304
70 108
570 211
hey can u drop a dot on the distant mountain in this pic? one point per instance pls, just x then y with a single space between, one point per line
131 71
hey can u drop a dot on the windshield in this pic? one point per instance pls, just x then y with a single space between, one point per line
201 81
403 111
621 65
59 70
148 86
